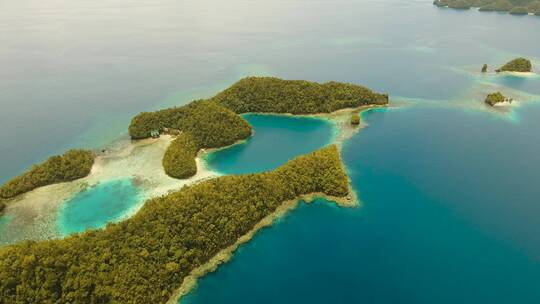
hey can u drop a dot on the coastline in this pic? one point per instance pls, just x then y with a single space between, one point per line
225 255
35 213
340 119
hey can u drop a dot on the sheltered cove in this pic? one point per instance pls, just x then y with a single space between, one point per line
337 189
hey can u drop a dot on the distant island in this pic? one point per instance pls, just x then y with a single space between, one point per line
72 165
216 123
521 65
145 259
515 7
497 98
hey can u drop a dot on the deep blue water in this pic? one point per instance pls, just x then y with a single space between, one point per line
98 205
284 137
450 212
449 215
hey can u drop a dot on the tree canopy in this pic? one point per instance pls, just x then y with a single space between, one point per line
513 6
145 258
179 159
210 124
72 165
495 98
274 95
215 123
516 65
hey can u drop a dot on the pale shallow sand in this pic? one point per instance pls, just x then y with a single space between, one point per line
35 213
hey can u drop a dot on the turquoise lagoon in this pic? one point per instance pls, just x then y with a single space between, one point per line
98 205
449 196
277 139
448 215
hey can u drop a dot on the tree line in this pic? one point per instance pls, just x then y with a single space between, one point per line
71 165
516 7
179 158
215 123
274 95
145 258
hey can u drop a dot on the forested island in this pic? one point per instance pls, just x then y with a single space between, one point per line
496 98
72 165
274 95
521 65
216 123
515 7
145 258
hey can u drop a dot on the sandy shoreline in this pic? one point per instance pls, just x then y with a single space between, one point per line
34 213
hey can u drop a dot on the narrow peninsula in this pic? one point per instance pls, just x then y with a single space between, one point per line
145 258
72 165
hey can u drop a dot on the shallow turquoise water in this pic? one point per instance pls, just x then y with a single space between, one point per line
4 220
98 205
277 139
529 84
449 215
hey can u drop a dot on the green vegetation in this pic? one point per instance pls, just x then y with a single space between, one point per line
534 7
145 258
274 95
484 68
516 7
72 165
355 118
2 206
519 10
495 98
211 125
459 4
516 65
215 122
203 124
179 159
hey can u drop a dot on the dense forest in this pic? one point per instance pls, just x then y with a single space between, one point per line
274 95
215 122
516 65
495 98
203 124
145 258
517 7
210 124
72 165
179 159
